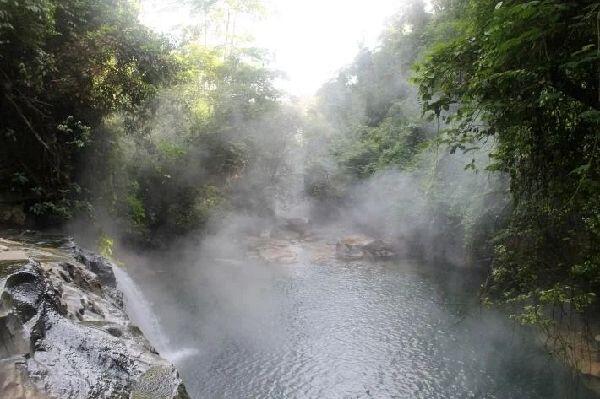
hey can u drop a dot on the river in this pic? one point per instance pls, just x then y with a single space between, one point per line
243 329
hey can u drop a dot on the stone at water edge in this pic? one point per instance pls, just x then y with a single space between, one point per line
157 383
358 247
352 247
379 249
277 251
98 265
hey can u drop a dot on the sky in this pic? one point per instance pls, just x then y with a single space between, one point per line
310 40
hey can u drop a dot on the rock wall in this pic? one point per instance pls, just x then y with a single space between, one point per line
64 332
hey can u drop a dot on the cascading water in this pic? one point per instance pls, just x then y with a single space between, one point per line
140 310
141 313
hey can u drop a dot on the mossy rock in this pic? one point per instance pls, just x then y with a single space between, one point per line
11 261
160 382
7 268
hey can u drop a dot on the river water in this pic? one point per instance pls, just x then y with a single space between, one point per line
241 329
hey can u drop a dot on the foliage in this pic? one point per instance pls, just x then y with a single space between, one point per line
163 136
368 113
215 140
173 133
219 27
526 73
105 246
64 66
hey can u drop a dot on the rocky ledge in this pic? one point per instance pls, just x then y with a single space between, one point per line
293 240
64 332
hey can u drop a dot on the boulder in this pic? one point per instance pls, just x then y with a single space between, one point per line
276 251
358 247
379 249
154 384
98 265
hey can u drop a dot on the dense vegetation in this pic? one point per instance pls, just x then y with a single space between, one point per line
519 81
65 66
527 74
104 119
368 121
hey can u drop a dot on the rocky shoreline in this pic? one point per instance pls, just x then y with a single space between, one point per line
64 331
295 238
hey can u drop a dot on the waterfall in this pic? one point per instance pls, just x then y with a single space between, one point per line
141 313
140 310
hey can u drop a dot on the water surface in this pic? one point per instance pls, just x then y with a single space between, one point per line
343 330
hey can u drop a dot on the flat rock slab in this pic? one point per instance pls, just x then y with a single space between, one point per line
279 254
4 241
358 240
157 383
13 256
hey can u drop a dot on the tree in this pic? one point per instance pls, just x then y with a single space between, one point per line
66 65
225 12
526 73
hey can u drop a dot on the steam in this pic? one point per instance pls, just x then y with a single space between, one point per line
412 207
140 310
234 324
407 207
205 298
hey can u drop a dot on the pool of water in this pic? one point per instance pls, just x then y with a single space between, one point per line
240 329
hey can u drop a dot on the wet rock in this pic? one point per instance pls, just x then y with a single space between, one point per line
158 383
83 278
64 334
22 293
352 247
274 251
98 265
12 337
7 256
379 249
357 247
114 331
285 254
